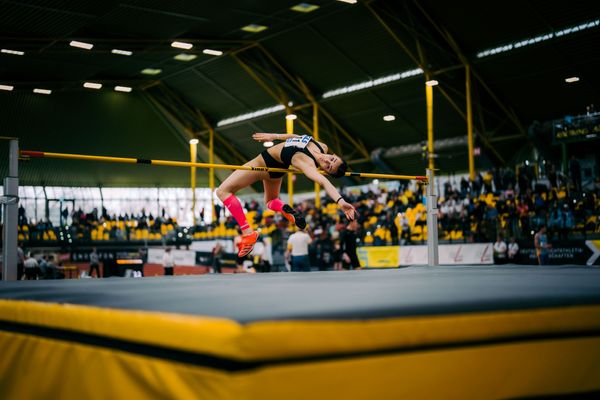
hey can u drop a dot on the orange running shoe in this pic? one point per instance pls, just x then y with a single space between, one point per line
293 216
247 243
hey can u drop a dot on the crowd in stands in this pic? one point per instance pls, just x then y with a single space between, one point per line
496 202
502 206
98 226
501 201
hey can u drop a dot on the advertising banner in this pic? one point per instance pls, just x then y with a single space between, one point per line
207 246
563 252
180 257
449 254
378 256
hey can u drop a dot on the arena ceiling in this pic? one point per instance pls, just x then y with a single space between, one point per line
299 59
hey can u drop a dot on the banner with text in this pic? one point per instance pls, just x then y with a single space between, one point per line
378 256
449 254
563 252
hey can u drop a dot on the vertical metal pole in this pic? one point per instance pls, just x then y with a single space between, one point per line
47 206
429 98
316 136
469 122
193 158
432 221
211 171
289 128
158 211
101 201
10 230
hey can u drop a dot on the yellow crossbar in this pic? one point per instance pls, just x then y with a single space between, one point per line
169 163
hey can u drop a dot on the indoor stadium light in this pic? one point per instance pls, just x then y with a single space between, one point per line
572 79
291 116
121 52
92 85
432 82
389 118
185 57
212 52
182 45
254 28
537 39
375 82
194 141
251 115
42 91
304 7
6 87
151 71
125 89
15 52
81 45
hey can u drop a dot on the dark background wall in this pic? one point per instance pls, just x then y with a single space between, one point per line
101 123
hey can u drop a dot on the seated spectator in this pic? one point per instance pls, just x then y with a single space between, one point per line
500 251
51 270
513 250
42 265
487 181
405 227
567 223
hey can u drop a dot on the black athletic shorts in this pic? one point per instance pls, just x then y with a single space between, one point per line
270 162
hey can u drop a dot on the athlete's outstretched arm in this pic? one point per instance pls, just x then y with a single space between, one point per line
315 176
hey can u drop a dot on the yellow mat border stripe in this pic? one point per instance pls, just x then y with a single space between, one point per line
304 338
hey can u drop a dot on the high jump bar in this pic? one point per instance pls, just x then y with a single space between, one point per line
169 163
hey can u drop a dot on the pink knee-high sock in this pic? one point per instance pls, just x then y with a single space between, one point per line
235 208
275 205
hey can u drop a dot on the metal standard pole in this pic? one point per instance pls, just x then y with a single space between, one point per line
11 200
289 127
429 100
193 159
316 136
469 123
211 171
432 222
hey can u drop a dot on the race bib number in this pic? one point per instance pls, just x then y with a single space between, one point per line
300 142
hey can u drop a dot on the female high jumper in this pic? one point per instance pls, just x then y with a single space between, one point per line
303 153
